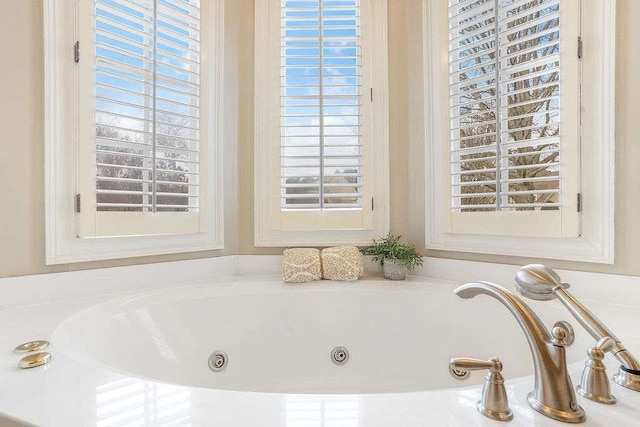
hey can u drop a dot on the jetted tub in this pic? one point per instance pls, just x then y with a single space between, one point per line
278 338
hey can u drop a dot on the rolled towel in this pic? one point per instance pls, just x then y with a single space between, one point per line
301 265
342 263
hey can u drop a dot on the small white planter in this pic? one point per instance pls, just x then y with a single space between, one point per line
393 270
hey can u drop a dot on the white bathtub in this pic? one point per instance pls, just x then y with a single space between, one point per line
400 337
130 347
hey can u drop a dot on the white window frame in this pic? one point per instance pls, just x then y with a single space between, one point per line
595 242
315 227
61 153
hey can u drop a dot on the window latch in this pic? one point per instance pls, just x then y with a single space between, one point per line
579 47
579 202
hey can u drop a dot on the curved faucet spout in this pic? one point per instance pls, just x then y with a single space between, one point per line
553 393
535 331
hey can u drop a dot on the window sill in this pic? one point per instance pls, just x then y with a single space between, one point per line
567 249
106 248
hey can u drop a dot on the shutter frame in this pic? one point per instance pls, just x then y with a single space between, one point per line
321 107
486 217
161 194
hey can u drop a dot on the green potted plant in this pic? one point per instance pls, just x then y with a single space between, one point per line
395 257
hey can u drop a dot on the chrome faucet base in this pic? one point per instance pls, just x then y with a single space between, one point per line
607 400
595 382
570 415
494 403
495 415
627 380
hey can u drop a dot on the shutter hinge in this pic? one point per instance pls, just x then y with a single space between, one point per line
371 94
579 202
76 52
78 203
579 47
372 203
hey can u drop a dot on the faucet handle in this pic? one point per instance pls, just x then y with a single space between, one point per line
494 403
595 383
460 366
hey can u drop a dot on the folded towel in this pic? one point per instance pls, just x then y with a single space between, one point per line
342 263
301 265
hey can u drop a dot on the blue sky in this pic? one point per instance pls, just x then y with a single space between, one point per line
119 26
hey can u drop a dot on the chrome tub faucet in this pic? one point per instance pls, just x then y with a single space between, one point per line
540 282
553 394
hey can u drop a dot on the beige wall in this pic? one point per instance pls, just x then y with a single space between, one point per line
22 152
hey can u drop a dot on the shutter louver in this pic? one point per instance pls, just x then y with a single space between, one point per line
321 102
505 104
147 98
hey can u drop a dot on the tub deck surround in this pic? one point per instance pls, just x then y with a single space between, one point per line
55 287
76 390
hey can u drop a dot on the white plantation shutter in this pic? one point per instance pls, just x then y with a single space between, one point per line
146 142
321 122
321 104
514 116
